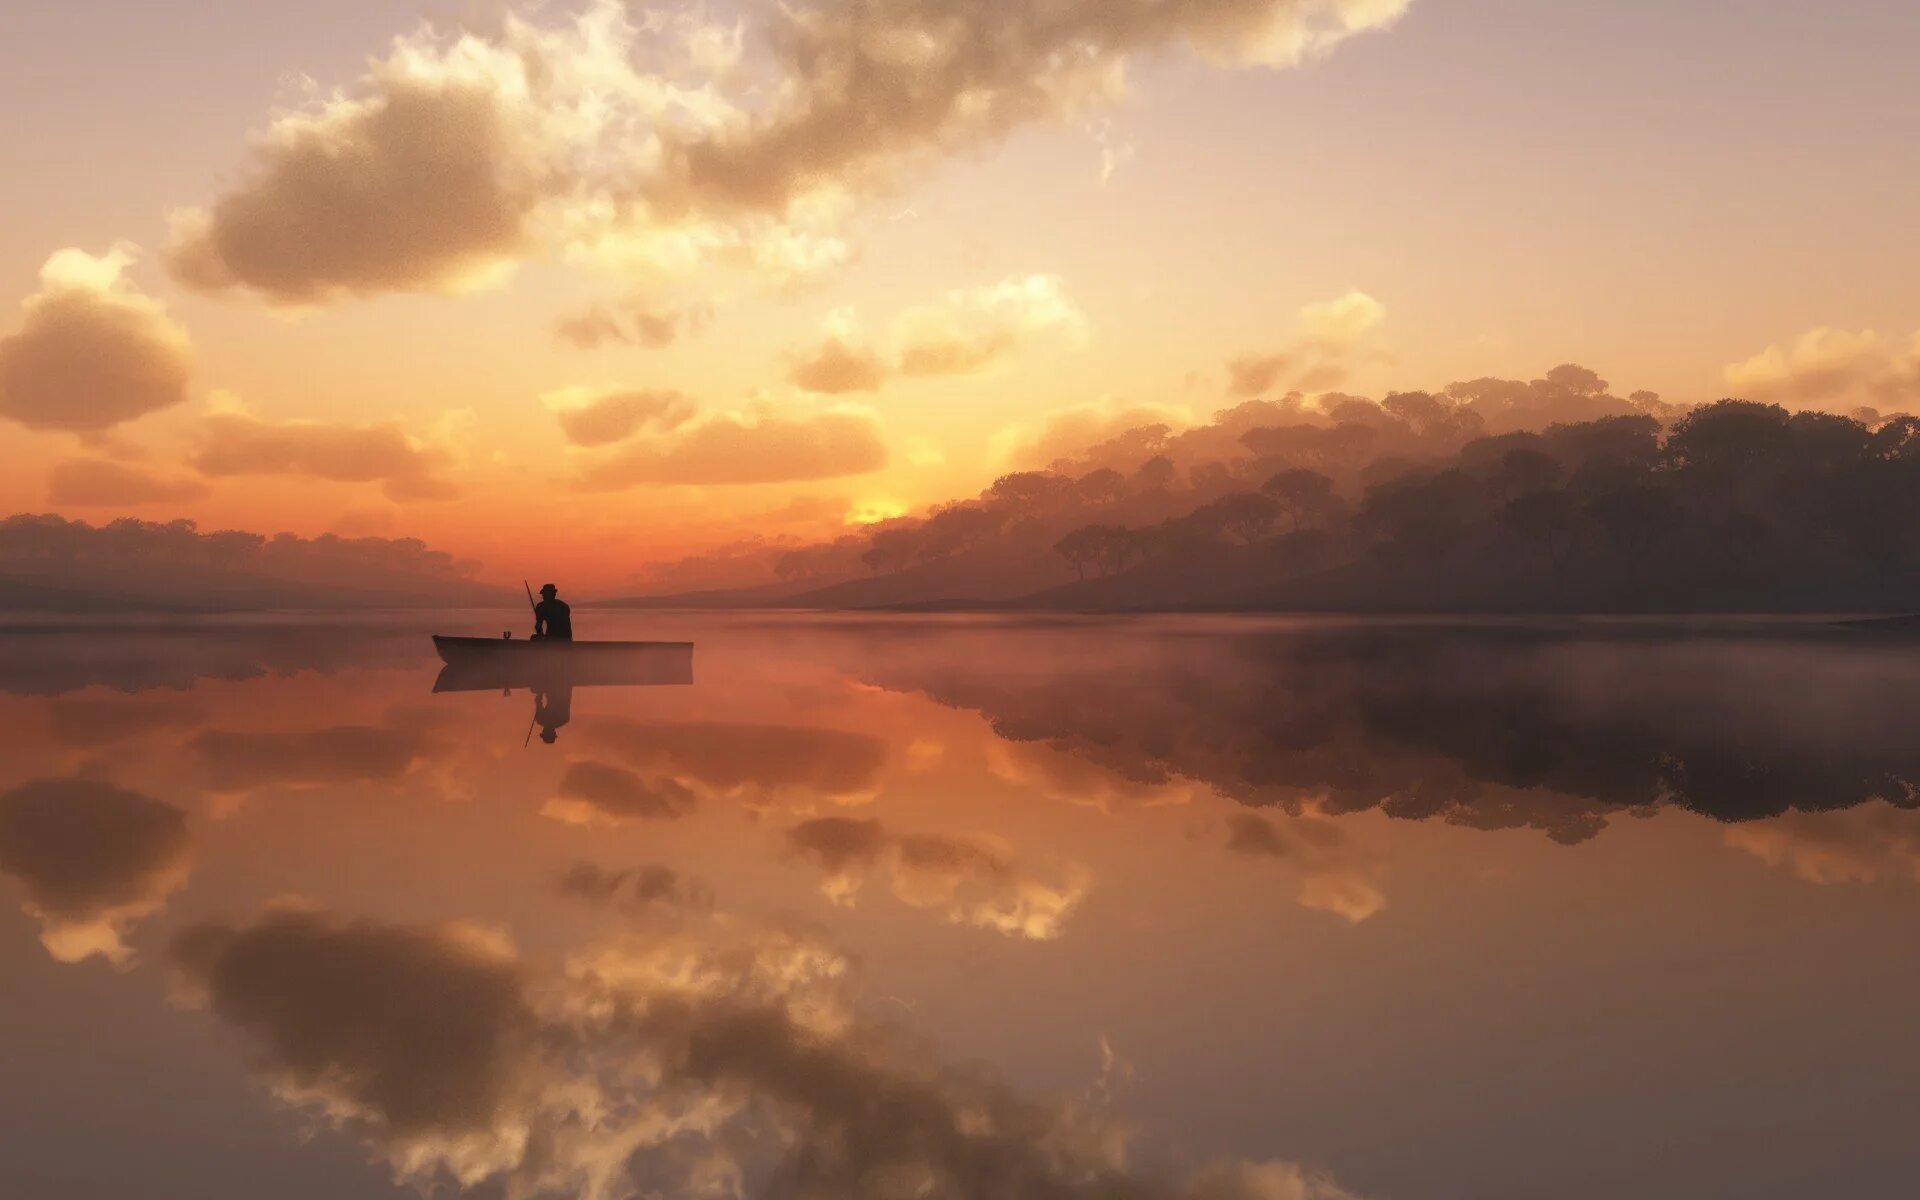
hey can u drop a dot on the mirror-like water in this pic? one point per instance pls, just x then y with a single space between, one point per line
903 907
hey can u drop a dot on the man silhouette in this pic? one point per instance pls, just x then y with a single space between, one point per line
552 708
551 617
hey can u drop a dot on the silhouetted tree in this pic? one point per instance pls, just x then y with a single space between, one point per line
1303 496
1248 516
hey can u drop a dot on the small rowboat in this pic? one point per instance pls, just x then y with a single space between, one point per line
483 663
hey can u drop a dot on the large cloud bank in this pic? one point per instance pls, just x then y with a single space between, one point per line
665 140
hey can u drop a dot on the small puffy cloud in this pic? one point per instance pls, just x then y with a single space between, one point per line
93 859
407 468
601 793
1071 431
753 446
86 482
1335 878
634 323
91 352
754 763
1824 366
1858 845
241 761
600 418
1329 335
841 362
972 327
967 330
1343 322
971 880
633 889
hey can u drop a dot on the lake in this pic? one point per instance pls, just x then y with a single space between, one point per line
1195 908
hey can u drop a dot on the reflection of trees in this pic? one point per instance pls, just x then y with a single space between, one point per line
53 661
1490 728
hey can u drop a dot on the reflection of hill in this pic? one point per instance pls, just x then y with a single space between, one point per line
1490 728
48 661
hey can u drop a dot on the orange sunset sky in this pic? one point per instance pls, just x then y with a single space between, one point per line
568 286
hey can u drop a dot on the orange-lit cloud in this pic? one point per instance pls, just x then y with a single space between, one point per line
91 352
1069 431
840 363
1858 845
1335 878
752 446
1329 335
972 880
87 482
595 792
968 329
1826 365
406 468
591 418
633 323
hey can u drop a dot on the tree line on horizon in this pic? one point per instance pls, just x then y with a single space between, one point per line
1411 503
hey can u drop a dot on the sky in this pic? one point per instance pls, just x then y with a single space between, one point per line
568 286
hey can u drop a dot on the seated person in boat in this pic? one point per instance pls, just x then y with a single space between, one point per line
551 617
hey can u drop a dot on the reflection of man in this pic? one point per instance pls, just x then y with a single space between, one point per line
552 709
551 617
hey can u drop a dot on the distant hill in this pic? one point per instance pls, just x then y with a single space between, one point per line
50 564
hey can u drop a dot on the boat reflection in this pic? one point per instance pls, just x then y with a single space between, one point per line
552 675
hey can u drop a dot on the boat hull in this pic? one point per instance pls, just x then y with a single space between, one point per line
476 664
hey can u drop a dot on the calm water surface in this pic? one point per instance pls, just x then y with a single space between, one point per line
902 907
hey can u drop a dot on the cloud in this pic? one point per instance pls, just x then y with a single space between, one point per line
1329 334
973 327
708 1056
84 482
236 761
591 418
1335 878
967 330
107 720
591 792
754 446
424 179
1860 845
972 880
1067 432
1827 365
632 142
839 363
634 323
91 352
633 888
871 91
93 858
751 762
385 453
421 1037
